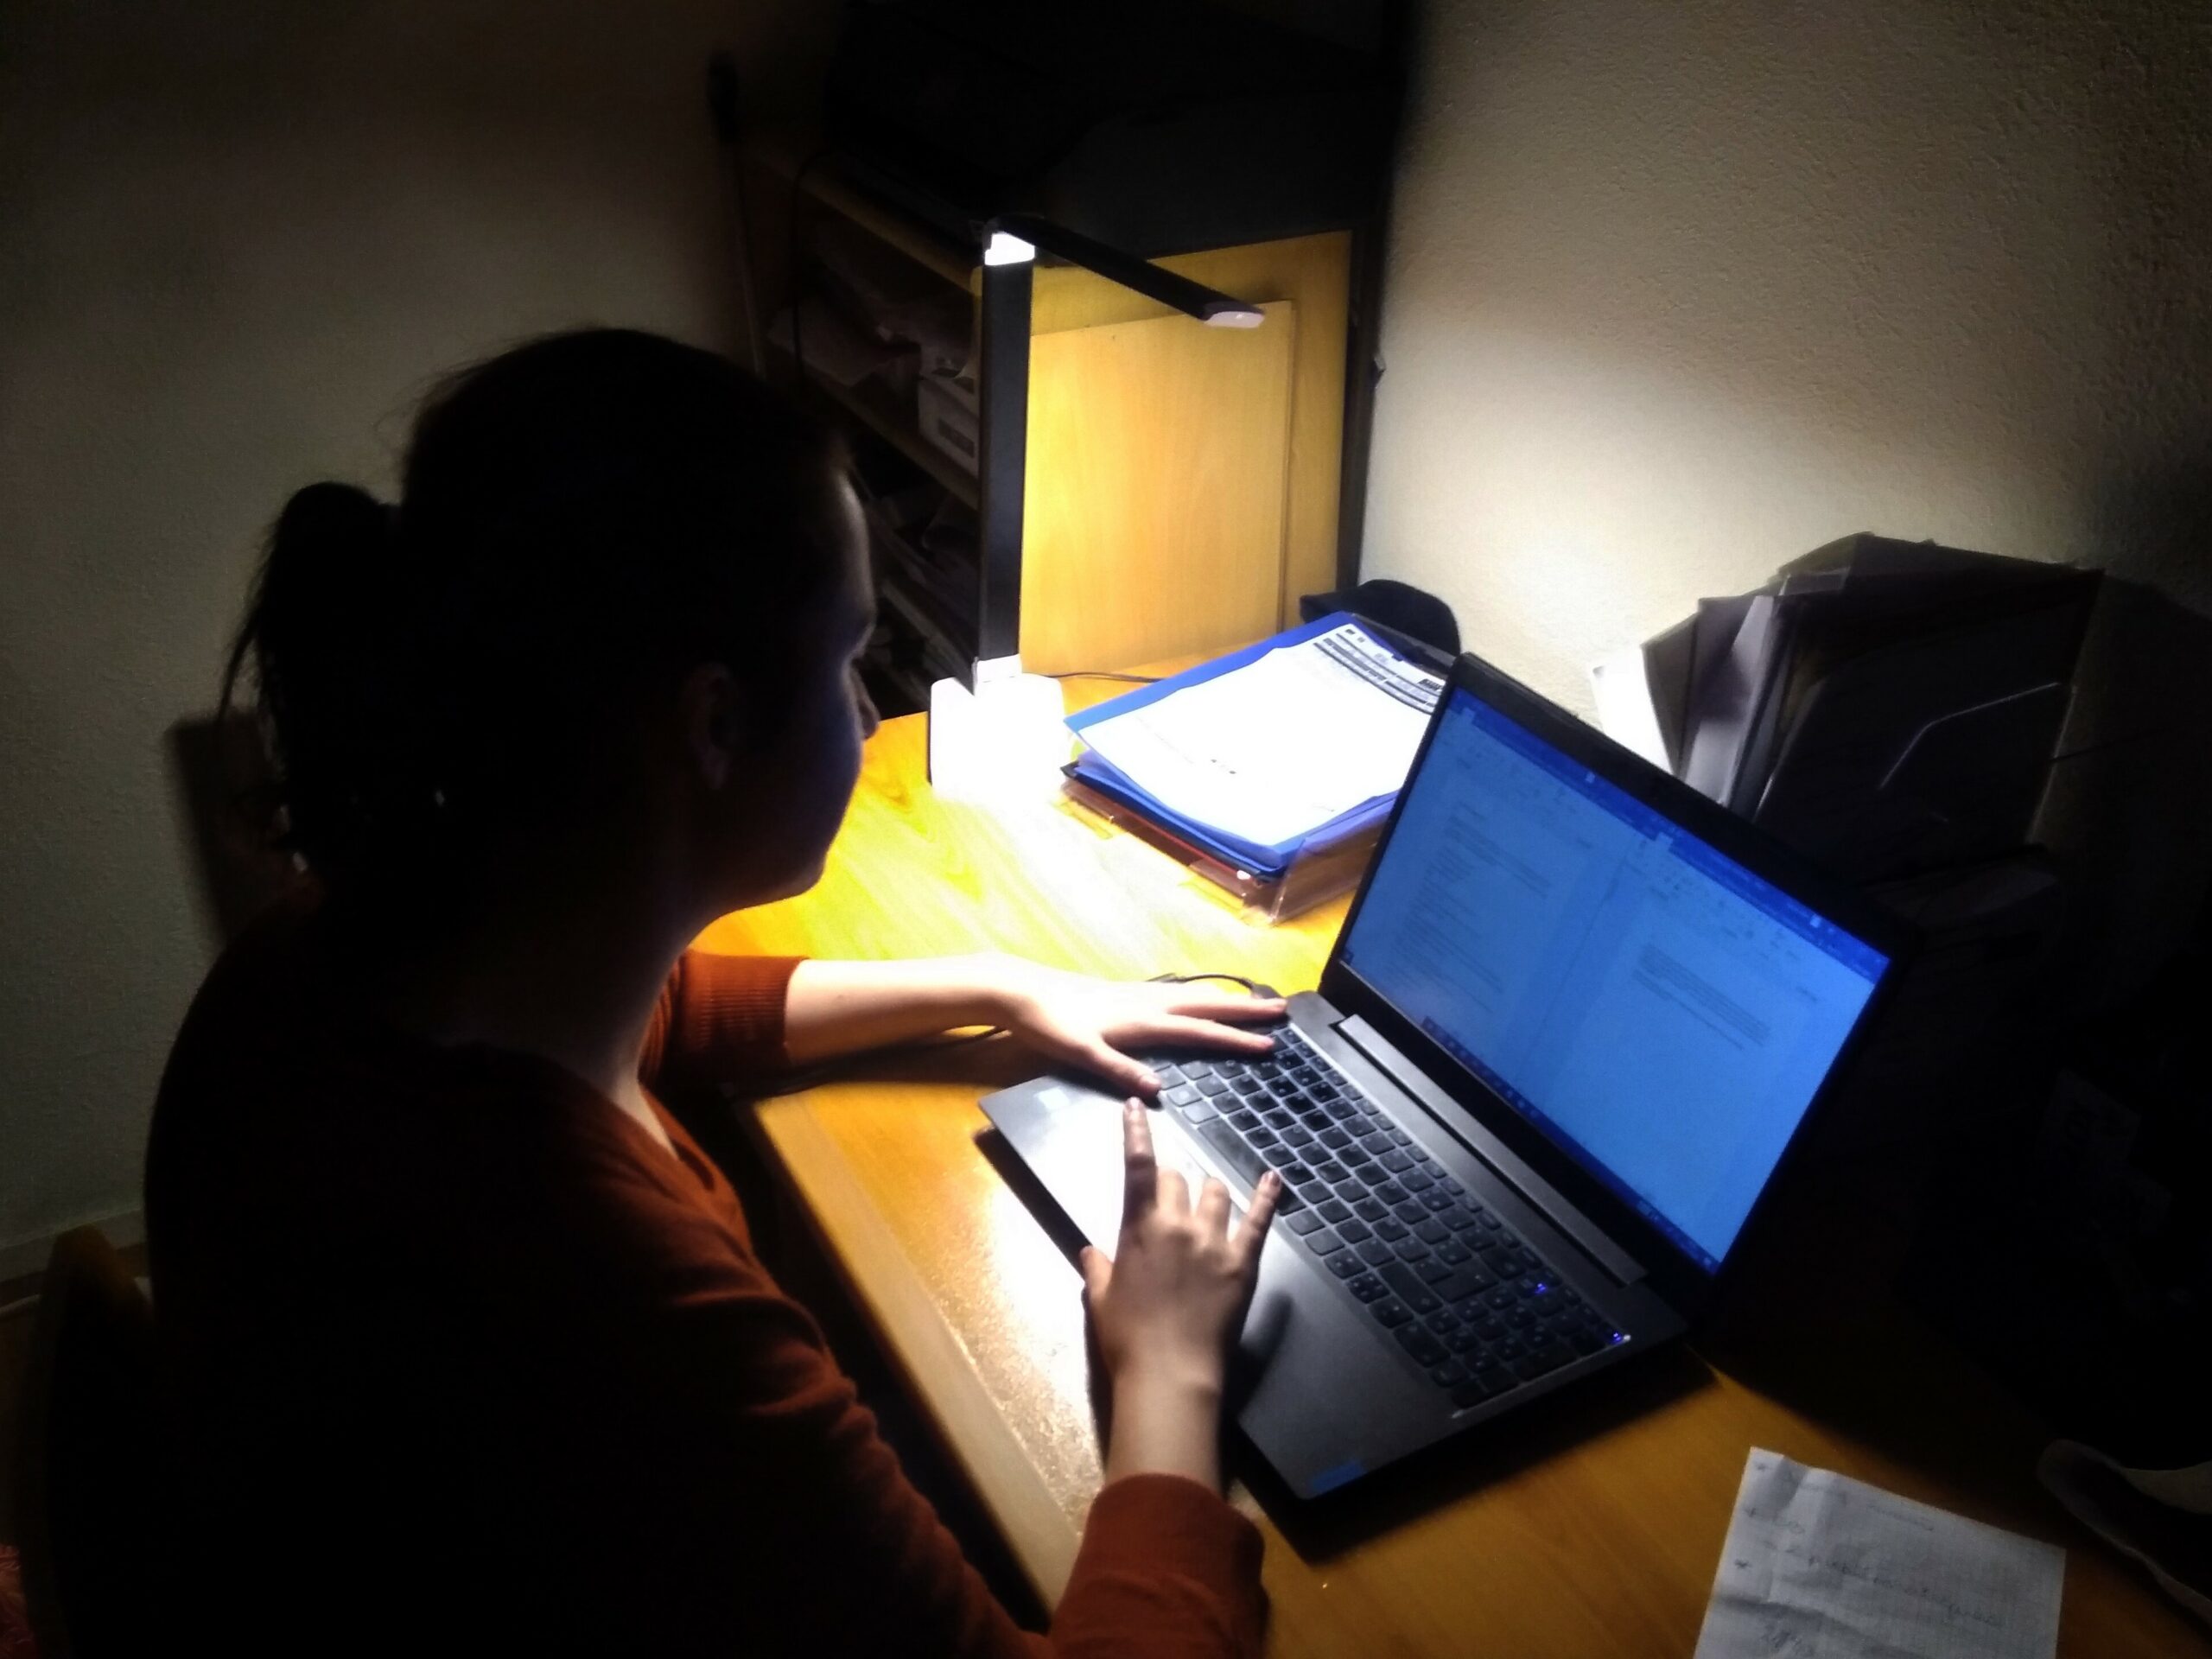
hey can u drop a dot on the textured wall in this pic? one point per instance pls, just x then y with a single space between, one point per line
237 238
1676 292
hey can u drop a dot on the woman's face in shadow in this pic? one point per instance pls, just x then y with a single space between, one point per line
790 797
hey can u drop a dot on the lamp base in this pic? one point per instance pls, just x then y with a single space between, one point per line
1005 738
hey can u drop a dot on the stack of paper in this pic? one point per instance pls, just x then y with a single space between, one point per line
1289 746
1820 1565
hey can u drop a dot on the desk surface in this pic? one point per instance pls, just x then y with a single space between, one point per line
1594 1533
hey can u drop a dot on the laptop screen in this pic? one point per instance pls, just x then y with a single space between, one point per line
1653 1008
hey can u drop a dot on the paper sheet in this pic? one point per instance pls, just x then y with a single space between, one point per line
1819 1566
1275 749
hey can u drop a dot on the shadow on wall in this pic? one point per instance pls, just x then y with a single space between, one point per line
2129 804
217 771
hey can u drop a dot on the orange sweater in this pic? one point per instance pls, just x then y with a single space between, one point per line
461 1358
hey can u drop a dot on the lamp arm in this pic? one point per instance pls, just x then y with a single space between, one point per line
1193 299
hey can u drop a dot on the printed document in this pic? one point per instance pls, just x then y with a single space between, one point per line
1274 750
1818 1566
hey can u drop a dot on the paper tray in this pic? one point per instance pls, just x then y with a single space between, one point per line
1310 878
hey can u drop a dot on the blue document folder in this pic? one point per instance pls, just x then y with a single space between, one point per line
1265 860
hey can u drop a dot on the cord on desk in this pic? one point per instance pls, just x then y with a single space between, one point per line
1106 674
813 1076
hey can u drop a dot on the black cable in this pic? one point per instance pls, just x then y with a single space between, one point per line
1106 674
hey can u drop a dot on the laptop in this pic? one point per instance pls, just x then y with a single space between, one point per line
1576 1019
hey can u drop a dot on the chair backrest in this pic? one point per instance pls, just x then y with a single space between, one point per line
89 1465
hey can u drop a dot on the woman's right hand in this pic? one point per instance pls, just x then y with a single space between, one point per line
1166 1307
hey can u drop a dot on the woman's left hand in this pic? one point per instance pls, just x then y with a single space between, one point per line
1092 1023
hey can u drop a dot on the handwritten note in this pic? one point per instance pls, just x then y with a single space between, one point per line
1818 1566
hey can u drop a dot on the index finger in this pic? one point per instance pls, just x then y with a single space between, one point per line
1229 1007
1252 1231
1140 1171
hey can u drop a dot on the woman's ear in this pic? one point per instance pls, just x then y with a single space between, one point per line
713 722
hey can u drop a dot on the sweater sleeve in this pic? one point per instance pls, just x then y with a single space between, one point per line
769 1478
719 1023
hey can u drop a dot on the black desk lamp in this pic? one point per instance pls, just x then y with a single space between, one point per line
998 720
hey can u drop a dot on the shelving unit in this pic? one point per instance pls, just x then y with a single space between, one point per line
1181 483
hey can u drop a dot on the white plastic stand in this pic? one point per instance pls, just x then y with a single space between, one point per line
1005 739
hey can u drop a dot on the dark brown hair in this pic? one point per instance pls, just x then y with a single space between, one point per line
583 518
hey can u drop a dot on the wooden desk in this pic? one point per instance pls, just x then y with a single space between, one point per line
1595 1533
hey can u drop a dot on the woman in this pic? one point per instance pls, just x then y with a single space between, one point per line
468 1344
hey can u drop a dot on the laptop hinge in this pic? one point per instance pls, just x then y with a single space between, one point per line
1547 1198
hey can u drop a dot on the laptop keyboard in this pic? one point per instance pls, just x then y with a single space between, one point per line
1450 1282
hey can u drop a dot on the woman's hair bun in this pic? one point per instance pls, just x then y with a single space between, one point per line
328 522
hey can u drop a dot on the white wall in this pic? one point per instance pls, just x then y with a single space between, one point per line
1676 292
237 238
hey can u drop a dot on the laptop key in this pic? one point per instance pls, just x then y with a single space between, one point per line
1354 1230
1394 1160
1412 1249
1371 1208
1306 1221
1417 1179
1449 1374
1367 1287
1198 1111
1410 1289
1230 1146
1375 1252
1345 1265
1334 1210
1460 1285
1323 1240
1421 1344
1409 1212
1391 1311
1434 1271
1431 1232
1495 1378
1436 1198
1351 1189
1391 1192
1181 1094
1392 1229
1543 1361
1453 1251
